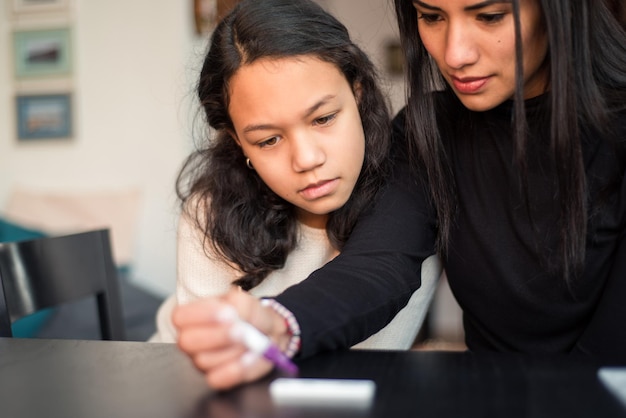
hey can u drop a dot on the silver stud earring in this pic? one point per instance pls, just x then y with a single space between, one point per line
249 164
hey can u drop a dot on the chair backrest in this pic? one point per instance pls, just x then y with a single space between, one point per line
47 272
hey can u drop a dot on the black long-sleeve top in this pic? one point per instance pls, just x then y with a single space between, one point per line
502 250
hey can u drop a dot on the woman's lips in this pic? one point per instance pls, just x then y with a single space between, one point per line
319 189
469 85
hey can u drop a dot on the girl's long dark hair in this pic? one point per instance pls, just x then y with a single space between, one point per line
242 219
587 62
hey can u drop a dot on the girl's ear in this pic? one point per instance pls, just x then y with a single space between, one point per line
233 135
357 89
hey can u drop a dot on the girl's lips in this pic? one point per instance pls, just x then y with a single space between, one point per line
469 85
321 189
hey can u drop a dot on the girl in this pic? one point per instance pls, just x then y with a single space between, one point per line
521 154
301 148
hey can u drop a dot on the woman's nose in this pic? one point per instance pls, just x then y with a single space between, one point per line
460 47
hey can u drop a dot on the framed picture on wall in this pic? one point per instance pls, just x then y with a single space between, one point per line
41 53
208 12
394 58
33 6
43 116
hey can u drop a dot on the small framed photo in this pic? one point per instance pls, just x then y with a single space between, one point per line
207 13
394 58
44 116
40 53
28 6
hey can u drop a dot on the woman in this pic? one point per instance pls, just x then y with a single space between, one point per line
515 121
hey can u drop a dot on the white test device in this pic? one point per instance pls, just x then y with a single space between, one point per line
353 393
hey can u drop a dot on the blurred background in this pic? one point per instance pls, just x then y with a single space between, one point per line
97 113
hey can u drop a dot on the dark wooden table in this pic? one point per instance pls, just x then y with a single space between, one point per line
93 379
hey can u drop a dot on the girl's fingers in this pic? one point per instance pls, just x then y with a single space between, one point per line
202 312
225 309
248 368
205 333
206 338
209 360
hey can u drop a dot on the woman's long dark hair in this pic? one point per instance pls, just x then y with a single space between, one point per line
242 219
587 62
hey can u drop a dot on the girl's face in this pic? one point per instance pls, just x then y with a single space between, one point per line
473 44
297 121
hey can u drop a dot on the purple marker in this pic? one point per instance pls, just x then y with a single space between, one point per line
259 343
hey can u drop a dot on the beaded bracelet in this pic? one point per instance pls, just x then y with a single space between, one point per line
290 321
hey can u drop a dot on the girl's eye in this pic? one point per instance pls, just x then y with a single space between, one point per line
269 142
325 120
429 17
491 17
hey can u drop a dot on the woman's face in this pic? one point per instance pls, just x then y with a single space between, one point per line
473 44
297 121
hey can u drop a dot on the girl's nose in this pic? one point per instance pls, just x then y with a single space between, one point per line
306 154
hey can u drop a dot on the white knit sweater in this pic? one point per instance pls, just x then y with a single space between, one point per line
200 274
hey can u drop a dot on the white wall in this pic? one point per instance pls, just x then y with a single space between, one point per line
132 63
134 70
372 25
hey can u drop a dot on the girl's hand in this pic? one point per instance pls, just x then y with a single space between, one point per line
206 334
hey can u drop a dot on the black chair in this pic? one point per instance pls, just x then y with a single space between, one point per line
48 272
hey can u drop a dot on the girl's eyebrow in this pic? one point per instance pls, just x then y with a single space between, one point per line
319 104
307 113
476 6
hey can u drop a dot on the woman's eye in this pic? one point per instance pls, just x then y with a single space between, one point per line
325 120
429 17
268 142
491 17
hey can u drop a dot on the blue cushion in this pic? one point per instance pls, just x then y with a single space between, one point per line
30 325
10 232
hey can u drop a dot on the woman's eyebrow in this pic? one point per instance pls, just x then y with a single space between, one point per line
424 5
475 6
485 3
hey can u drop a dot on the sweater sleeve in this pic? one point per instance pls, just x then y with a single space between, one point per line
362 289
199 274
